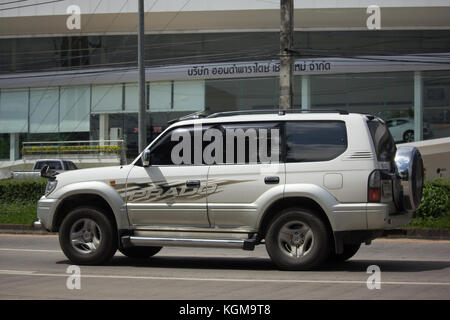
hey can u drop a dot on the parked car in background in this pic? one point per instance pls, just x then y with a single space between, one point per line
53 164
402 129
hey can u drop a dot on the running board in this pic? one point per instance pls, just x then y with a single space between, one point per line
245 244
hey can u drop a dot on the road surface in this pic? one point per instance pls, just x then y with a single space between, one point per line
34 267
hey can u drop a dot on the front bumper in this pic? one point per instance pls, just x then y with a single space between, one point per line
45 212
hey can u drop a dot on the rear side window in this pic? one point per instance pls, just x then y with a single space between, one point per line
382 140
308 141
69 165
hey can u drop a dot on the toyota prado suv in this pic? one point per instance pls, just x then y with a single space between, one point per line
310 186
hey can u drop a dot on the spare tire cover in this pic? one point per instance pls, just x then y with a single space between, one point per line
409 163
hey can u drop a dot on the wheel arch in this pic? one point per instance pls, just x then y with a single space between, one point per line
272 211
295 201
73 201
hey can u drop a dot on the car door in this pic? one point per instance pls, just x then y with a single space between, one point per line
237 187
167 193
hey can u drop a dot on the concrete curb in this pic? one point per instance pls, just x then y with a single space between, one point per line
419 233
22 229
411 233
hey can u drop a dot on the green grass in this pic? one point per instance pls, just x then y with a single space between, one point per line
440 222
18 213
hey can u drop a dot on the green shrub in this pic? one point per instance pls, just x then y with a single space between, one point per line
18 213
435 201
21 191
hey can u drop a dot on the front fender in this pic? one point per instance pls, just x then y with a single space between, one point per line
108 193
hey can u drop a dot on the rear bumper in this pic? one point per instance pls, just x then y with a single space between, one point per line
380 217
45 212
367 216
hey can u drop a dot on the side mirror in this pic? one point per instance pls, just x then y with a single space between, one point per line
47 173
146 158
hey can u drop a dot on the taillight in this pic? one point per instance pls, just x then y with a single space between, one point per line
374 188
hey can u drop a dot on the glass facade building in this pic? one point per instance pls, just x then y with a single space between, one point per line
84 87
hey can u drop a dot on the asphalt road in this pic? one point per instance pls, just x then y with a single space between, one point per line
33 267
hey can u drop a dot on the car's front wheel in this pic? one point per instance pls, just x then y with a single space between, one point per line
87 236
297 239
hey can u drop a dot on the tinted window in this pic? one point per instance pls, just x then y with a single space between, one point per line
382 140
161 153
55 165
70 165
251 142
308 141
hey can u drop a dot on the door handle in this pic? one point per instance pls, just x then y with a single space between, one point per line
272 180
193 183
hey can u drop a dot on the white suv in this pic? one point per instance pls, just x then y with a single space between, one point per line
311 186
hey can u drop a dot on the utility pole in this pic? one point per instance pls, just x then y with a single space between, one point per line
286 59
142 115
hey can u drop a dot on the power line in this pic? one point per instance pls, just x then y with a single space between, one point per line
4 3
31 5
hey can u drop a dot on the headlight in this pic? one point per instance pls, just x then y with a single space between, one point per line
51 185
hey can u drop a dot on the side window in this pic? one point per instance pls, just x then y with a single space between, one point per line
391 123
308 141
180 146
251 142
69 165
234 143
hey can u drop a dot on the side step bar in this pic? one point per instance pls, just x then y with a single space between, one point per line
245 244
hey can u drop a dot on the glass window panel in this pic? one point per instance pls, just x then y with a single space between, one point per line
13 110
244 94
4 146
388 95
189 95
74 109
436 102
160 96
106 98
308 141
328 91
132 97
44 108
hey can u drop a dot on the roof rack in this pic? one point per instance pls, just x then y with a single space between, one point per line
280 112
195 115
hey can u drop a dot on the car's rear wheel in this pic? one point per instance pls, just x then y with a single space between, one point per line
297 239
140 252
87 236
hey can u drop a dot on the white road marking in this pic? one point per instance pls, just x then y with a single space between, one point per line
28 250
13 272
288 281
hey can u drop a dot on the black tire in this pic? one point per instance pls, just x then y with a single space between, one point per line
315 241
105 235
140 252
408 136
349 251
